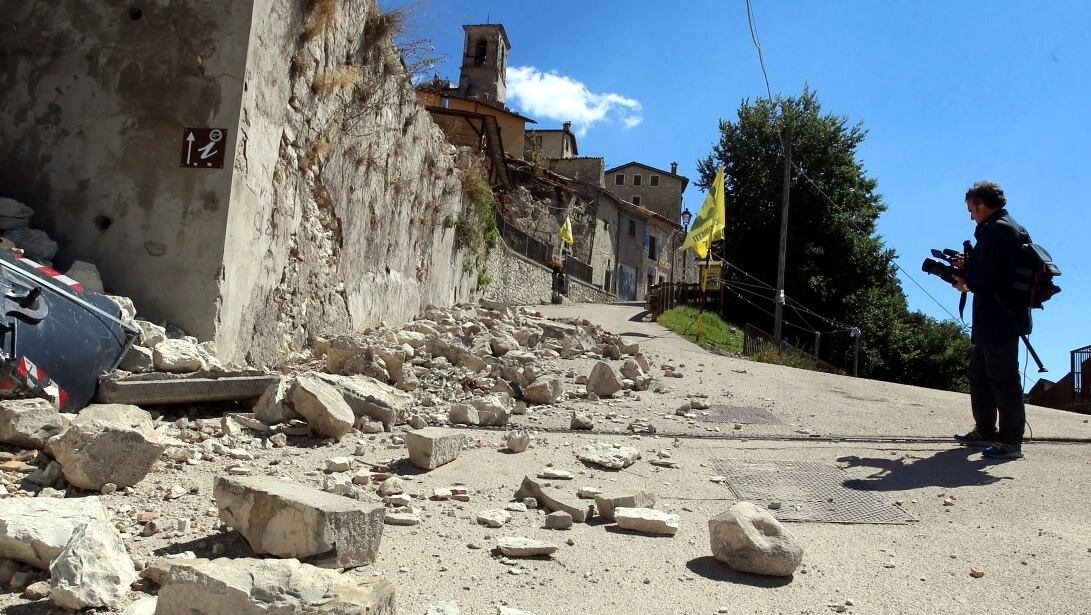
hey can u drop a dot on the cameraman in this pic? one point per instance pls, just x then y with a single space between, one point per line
995 387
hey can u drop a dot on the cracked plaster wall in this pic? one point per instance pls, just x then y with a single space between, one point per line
328 213
94 95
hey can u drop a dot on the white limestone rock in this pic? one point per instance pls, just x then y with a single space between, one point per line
749 539
517 441
127 415
86 274
151 334
647 520
29 422
247 586
544 390
368 397
558 520
35 530
322 406
177 356
89 454
605 503
138 359
611 456
518 546
603 380
493 518
93 570
143 606
287 519
432 447
273 406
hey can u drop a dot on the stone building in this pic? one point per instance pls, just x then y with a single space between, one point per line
551 143
658 190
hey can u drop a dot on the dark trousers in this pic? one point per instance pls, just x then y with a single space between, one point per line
995 389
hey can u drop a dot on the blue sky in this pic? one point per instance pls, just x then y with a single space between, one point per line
951 92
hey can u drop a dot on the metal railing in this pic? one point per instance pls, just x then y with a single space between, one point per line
673 294
520 242
756 341
1081 387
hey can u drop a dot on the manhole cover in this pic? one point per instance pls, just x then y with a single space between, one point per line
734 414
809 491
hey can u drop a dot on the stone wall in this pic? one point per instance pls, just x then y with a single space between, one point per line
517 280
342 185
587 168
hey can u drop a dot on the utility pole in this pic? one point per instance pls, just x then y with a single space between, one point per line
779 308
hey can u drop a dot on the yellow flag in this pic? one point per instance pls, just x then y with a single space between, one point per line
711 220
566 231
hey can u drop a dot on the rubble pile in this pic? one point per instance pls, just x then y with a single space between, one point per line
399 392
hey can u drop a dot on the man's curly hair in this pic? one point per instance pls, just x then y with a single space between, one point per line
988 194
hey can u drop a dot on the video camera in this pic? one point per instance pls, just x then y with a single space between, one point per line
947 272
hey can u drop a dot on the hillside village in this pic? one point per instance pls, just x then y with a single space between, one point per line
626 219
261 356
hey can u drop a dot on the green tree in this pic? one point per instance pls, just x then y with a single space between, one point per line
837 265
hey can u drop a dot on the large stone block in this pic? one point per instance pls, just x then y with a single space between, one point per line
35 530
270 587
322 406
432 447
749 539
97 452
29 422
128 415
93 570
611 456
371 398
290 520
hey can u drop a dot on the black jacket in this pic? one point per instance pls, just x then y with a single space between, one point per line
996 317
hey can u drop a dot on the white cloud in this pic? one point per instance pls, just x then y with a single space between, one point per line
556 97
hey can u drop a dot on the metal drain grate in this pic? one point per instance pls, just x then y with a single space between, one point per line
809 491
734 414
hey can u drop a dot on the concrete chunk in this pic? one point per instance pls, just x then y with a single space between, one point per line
133 417
160 388
96 452
322 406
553 499
431 447
605 503
610 456
35 530
647 520
94 569
371 398
291 520
29 422
270 587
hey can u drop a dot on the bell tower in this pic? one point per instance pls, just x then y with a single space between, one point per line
484 64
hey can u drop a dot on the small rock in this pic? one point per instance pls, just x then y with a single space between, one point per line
558 520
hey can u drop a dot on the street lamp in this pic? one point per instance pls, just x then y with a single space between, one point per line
686 217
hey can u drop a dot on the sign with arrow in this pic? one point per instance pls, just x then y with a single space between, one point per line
204 148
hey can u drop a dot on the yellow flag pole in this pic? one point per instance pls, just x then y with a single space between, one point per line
704 281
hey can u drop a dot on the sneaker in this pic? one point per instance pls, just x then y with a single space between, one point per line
1003 451
974 438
